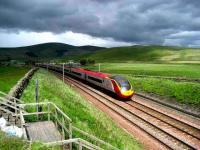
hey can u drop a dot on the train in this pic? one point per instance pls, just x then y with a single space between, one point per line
116 84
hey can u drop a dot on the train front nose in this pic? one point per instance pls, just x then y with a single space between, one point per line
122 87
126 93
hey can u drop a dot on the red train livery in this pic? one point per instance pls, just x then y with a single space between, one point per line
114 83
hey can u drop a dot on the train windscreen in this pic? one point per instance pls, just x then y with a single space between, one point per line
122 82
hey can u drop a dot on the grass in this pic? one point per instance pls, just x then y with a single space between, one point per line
15 143
150 53
83 114
184 92
10 75
171 70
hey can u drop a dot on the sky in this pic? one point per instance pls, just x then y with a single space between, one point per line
107 23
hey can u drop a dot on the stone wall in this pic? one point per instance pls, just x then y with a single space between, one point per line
18 89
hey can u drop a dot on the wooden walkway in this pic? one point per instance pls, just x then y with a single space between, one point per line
44 131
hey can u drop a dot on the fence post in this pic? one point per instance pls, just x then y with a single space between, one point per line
15 103
99 67
48 111
63 124
30 145
56 116
36 97
80 146
63 72
98 144
70 134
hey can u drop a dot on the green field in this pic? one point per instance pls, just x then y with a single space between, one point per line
139 53
83 114
184 92
168 70
10 75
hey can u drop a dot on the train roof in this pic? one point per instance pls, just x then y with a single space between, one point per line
94 73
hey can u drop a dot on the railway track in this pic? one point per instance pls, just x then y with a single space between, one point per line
174 130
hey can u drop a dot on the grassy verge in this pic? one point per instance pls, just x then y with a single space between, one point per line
9 76
184 92
83 114
170 70
15 143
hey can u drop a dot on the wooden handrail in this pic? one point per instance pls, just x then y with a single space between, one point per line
22 125
66 130
34 104
94 138
61 122
8 111
60 111
83 143
55 143
88 145
11 106
8 101
46 103
19 108
34 113
18 100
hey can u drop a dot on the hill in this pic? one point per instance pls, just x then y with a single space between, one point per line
151 53
45 51
141 53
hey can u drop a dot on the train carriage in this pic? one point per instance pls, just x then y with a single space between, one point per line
114 83
77 73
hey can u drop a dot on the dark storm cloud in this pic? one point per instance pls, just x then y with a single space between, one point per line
137 21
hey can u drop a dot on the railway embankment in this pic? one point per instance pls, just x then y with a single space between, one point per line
167 127
83 114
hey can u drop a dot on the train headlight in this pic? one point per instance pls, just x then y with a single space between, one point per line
123 89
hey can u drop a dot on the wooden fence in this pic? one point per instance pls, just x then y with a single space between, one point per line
49 111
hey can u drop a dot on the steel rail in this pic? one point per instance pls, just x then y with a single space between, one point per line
120 106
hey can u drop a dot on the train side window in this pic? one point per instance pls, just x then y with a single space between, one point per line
79 74
95 79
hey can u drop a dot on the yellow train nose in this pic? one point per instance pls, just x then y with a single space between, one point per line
128 93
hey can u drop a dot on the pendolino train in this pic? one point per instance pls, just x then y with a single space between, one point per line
114 83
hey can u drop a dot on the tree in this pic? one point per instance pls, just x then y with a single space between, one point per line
83 61
91 61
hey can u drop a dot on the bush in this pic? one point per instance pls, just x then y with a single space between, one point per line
91 61
83 62
87 61
9 143
15 143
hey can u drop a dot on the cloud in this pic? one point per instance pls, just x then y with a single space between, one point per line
8 39
184 38
128 21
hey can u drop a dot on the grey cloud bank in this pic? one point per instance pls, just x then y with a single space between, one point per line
172 22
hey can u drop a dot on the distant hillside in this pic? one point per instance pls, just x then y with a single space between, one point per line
146 53
45 51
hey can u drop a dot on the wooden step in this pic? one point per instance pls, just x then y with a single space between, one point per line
44 131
